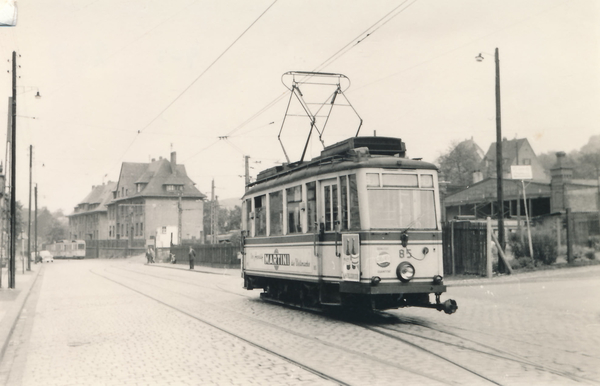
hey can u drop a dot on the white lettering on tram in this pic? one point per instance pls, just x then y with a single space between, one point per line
277 259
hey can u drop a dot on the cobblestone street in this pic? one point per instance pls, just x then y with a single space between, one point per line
121 322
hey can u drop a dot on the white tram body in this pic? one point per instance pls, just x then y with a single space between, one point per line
67 249
358 226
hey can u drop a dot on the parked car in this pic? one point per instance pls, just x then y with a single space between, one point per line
46 257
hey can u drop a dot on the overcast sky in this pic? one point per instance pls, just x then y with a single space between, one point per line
128 81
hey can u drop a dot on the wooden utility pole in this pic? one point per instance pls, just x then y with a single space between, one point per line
499 159
179 215
35 232
213 227
13 177
29 209
246 171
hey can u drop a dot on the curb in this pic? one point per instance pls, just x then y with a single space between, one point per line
199 269
9 320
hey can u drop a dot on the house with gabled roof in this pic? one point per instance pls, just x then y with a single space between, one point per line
89 220
516 151
153 198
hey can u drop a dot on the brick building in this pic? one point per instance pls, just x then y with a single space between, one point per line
148 199
89 220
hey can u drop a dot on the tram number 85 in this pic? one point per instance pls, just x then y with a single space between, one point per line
405 253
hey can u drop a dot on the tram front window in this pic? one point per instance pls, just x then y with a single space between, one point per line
402 208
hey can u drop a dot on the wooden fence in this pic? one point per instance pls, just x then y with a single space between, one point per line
465 248
113 248
210 255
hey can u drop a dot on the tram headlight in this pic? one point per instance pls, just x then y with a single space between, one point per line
405 271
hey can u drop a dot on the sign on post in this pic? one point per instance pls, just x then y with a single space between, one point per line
521 172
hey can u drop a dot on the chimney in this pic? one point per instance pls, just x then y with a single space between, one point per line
561 175
174 162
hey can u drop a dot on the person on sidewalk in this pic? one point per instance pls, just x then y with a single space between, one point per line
192 256
150 255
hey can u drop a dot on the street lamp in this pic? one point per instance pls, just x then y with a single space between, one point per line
499 158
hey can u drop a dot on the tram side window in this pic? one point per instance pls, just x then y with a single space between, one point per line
260 215
350 215
344 202
354 212
294 198
276 213
331 206
247 219
311 205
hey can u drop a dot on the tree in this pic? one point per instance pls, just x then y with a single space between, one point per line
459 162
51 227
585 162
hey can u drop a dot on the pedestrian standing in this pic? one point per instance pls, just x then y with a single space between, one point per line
192 256
148 255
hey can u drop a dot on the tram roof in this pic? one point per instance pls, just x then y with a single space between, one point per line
353 153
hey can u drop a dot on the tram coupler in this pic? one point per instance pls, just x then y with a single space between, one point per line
449 306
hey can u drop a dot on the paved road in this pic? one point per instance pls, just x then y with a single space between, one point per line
120 322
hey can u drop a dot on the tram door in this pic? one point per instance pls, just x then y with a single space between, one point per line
329 220
330 213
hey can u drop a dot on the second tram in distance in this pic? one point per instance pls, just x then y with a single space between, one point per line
358 226
67 249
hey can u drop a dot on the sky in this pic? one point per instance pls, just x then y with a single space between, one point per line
131 81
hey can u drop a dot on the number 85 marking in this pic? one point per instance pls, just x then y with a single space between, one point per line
406 254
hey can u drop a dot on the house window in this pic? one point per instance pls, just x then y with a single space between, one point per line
172 188
526 161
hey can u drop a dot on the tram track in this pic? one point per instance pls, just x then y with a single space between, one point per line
386 325
215 326
328 345
428 344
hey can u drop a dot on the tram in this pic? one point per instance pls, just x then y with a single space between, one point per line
358 226
67 249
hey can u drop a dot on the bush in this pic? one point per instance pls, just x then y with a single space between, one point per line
591 255
518 249
522 262
544 247
543 242
594 242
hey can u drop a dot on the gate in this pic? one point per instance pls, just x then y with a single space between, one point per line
465 248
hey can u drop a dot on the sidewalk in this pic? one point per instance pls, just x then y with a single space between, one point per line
13 300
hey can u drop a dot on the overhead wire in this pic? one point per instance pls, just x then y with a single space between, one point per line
338 54
194 81
208 68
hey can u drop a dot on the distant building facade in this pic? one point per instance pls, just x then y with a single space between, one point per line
543 197
148 199
89 220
